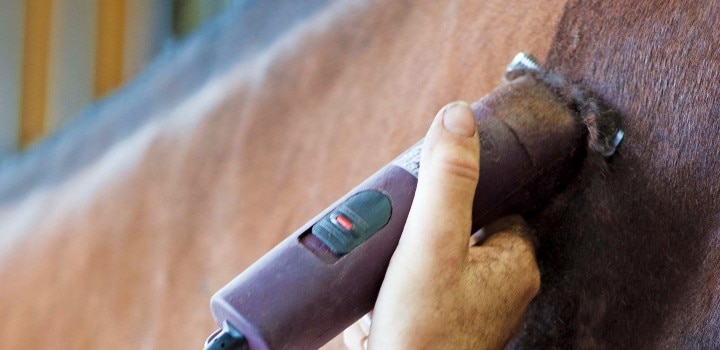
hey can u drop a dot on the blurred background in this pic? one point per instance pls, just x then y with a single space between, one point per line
58 56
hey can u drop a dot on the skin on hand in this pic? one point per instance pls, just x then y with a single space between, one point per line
439 292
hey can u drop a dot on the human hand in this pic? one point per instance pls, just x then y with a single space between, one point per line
440 292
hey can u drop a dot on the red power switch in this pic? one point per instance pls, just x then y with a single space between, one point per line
344 222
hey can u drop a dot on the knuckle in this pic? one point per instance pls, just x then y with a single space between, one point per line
530 279
458 165
533 283
520 260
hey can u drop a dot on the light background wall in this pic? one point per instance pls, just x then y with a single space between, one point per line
78 52
72 50
11 38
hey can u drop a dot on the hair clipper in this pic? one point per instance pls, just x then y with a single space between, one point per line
328 273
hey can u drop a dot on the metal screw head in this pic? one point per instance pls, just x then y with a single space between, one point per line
523 61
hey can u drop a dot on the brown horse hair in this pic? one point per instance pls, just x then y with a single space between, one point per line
602 121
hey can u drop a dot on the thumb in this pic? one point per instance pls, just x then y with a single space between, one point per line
439 223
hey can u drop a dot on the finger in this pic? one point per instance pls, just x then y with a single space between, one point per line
365 322
509 248
509 255
439 222
510 234
507 238
354 337
477 238
505 223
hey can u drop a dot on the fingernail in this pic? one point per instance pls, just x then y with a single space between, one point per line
366 322
458 119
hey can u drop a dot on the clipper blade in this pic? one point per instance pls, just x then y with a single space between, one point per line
523 61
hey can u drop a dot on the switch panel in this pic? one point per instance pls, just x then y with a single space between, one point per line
353 221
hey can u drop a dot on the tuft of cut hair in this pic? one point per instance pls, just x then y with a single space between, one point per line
602 121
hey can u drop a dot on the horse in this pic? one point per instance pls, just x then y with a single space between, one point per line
117 229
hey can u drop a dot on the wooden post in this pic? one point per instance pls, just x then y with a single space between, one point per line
36 49
110 46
